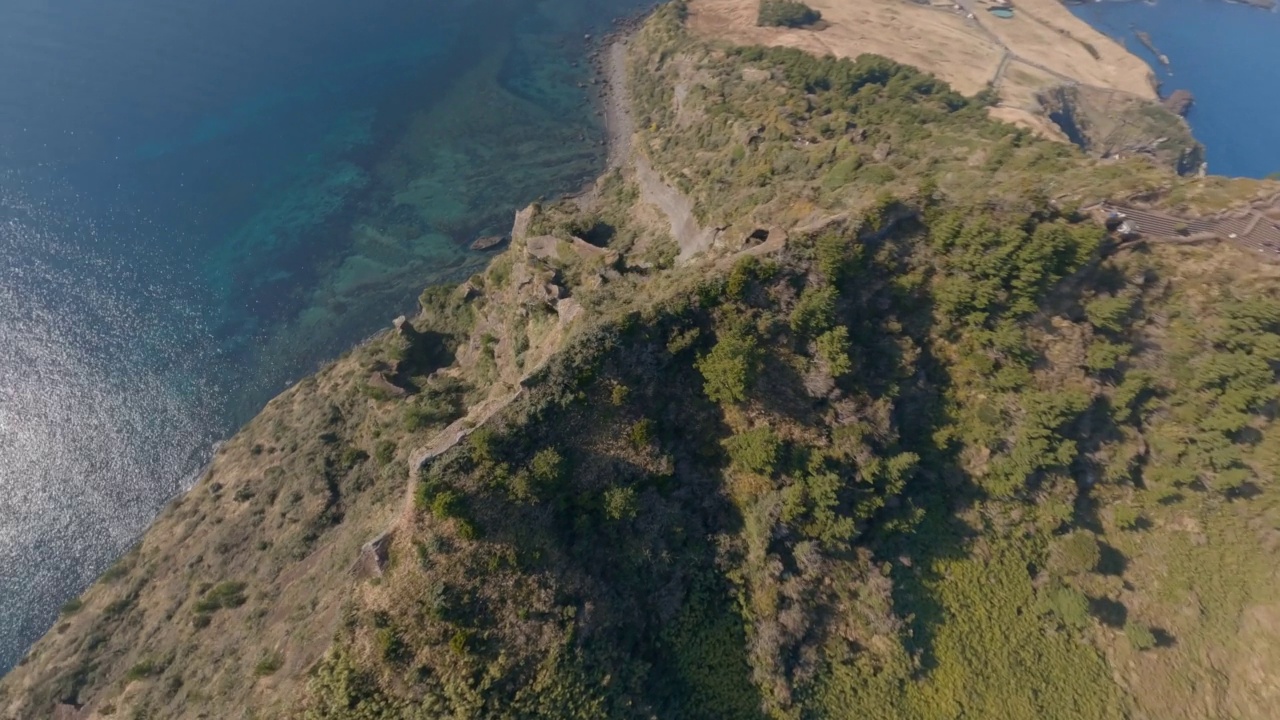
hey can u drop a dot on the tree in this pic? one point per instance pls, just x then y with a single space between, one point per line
1078 553
729 370
833 348
755 450
620 503
815 311
786 13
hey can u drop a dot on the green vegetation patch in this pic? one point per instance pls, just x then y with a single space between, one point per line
225 595
786 13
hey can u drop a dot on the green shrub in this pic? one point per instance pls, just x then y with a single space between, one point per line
1104 355
1077 553
480 445
1108 312
618 394
352 457
460 641
226 595
786 13
641 434
729 370
833 255
446 504
1128 518
744 271
117 571
1139 635
384 452
683 340
547 467
755 450
268 665
620 503
811 505
879 174
833 348
143 669
467 529
390 646
72 606
815 311
116 608
1069 605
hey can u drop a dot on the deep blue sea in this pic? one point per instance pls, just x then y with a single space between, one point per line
1228 56
202 201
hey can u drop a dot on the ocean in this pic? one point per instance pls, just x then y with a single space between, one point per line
1227 55
202 202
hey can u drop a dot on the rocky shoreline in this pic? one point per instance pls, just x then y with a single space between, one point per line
606 58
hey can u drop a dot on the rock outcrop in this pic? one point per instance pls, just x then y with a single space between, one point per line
1111 124
1179 102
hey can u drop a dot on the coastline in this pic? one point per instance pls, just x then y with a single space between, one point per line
608 102
618 123
1227 79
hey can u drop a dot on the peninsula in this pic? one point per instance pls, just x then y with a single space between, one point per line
891 370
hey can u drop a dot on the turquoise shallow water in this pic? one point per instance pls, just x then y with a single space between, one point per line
1228 56
199 203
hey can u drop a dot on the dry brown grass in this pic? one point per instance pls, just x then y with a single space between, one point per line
1049 46
941 42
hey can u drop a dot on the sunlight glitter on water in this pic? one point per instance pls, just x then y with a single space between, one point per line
270 181
88 433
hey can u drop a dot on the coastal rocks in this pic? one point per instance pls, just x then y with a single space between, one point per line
1179 102
1145 38
542 247
568 309
1113 125
378 381
488 242
373 557
404 328
468 291
822 223
586 250
547 248
520 227
67 711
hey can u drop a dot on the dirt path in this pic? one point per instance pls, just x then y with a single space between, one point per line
678 208
457 431
654 190
620 127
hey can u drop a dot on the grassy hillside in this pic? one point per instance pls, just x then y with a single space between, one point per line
947 451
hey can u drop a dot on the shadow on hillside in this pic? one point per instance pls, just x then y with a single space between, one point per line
629 534
881 317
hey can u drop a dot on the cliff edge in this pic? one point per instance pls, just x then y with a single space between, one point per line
836 397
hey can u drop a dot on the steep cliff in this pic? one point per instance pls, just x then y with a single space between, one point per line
1112 125
902 432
